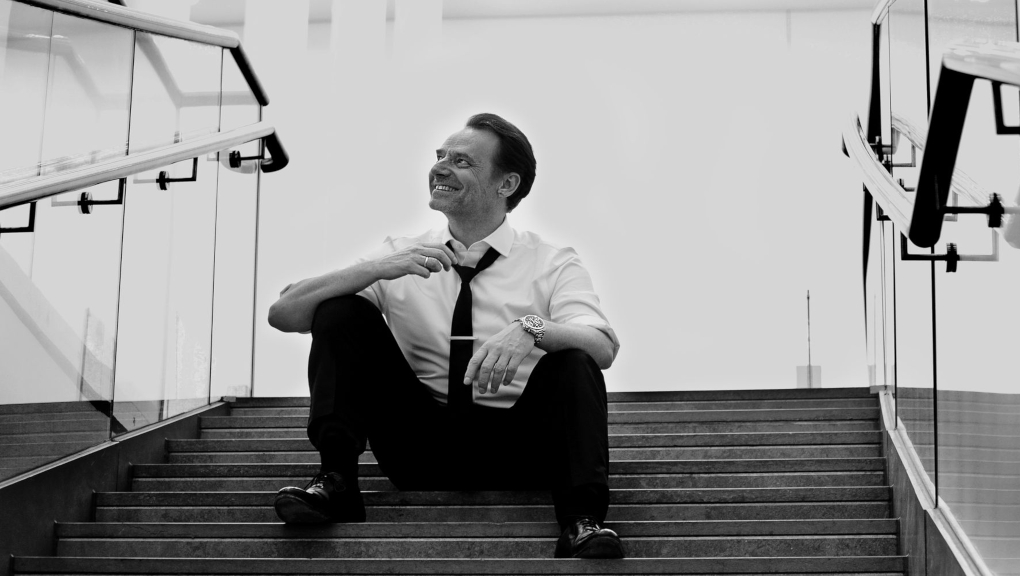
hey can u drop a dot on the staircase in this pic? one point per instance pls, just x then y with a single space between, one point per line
736 482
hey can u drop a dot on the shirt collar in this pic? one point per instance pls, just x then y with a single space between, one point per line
502 238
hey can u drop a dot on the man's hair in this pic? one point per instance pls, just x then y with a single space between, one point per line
514 153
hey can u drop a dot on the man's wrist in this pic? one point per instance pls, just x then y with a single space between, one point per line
533 325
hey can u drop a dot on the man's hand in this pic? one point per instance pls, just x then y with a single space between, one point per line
420 259
496 362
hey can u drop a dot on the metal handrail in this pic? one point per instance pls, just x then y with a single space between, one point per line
963 62
962 184
881 11
877 178
135 20
50 185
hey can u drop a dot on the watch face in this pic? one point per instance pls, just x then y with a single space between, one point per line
533 322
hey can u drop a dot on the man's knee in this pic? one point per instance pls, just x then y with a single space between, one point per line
571 359
342 311
571 368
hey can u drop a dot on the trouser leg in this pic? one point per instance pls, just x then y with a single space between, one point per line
556 436
362 388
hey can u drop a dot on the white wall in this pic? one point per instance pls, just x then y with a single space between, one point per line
692 159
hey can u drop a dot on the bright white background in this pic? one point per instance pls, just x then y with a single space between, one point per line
692 159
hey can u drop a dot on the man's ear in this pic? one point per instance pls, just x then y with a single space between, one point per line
508 185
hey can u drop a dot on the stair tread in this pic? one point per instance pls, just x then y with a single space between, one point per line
620 467
410 498
615 441
648 396
477 529
719 565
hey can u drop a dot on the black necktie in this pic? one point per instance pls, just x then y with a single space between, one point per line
461 342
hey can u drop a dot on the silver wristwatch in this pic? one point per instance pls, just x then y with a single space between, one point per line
533 325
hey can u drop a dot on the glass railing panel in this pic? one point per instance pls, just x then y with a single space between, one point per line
164 359
24 61
874 305
58 330
89 94
177 87
978 401
236 229
978 405
913 369
882 305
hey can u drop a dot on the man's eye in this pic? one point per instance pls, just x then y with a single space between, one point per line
462 162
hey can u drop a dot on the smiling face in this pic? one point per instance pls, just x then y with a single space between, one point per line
464 183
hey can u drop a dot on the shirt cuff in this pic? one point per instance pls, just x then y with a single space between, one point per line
600 325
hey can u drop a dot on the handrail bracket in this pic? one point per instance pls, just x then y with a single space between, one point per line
994 210
952 256
30 227
164 176
1000 124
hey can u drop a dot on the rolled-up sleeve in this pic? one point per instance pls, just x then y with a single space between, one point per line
573 299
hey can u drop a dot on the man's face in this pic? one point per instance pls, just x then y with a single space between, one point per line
464 181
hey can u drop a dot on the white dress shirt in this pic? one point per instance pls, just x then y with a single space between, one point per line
531 276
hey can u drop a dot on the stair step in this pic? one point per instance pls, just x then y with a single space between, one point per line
516 513
822 564
100 423
264 482
615 441
496 547
961 417
759 405
745 415
299 422
994 512
91 438
48 449
852 434
967 495
615 454
47 408
622 467
976 481
486 498
55 417
547 529
654 416
651 396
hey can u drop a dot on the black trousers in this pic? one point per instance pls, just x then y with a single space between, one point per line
362 390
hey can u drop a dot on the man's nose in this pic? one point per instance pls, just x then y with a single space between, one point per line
439 168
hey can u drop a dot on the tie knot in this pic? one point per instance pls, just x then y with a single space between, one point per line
468 273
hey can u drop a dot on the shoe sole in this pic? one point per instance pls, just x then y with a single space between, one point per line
603 547
293 510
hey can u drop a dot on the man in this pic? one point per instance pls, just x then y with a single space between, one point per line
507 395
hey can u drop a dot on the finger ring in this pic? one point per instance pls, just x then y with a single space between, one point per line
426 264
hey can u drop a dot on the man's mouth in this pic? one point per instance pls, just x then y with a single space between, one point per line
442 188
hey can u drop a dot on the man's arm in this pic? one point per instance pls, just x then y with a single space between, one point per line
295 309
586 338
496 362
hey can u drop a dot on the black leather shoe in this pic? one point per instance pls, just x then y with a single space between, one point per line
327 498
584 538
